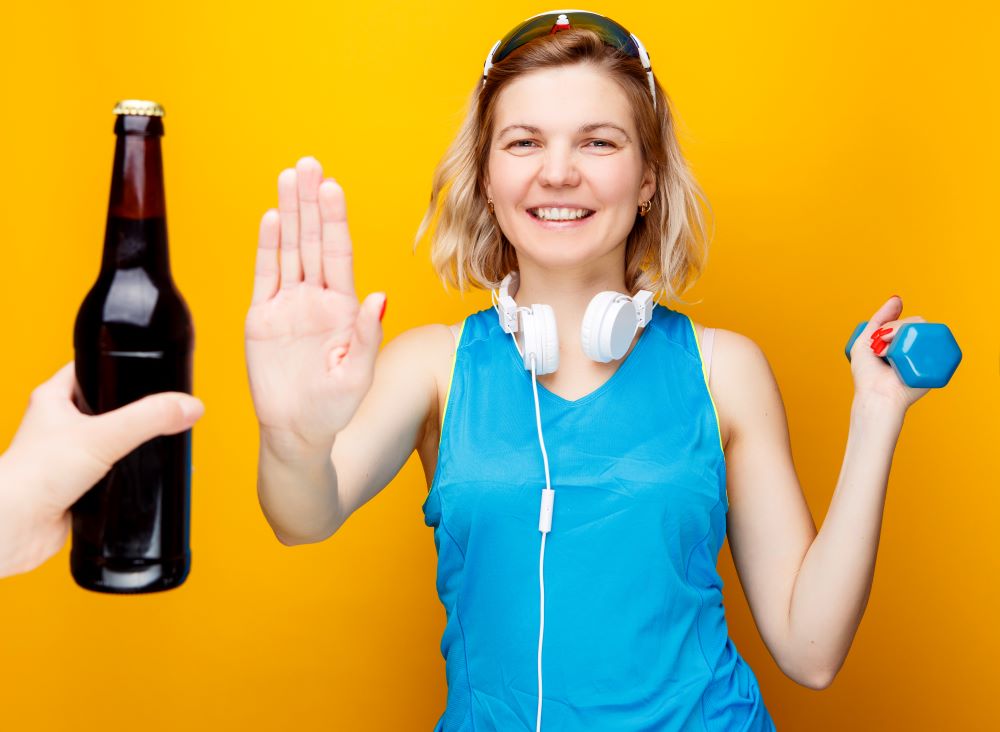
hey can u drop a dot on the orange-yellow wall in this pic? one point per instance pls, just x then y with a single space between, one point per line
848 151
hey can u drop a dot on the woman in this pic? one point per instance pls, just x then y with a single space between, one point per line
567 173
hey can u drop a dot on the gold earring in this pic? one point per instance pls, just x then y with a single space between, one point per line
644 207
489 202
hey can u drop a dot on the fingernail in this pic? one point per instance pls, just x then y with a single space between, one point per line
385 301
877 333
880 347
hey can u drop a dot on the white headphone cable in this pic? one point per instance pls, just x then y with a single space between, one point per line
544 525
544 517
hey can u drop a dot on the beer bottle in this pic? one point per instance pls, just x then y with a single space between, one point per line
134 337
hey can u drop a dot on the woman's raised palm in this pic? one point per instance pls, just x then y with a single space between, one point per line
310 344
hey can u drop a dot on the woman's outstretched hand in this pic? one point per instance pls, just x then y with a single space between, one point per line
310 345
873 377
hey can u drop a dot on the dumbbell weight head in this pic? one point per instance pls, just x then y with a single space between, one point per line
922 354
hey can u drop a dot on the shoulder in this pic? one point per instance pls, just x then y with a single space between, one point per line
428 349
422 346
741 350
740 381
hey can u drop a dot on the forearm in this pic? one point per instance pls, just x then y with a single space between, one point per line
297 491
834 581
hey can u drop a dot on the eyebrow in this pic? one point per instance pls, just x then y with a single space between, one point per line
583 130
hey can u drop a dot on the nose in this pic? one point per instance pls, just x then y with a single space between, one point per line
558 167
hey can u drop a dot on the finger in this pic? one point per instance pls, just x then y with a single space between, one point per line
113 435
266 272
890 328
57 392
338 252
889 310
310 175
288 209
366 337
61 384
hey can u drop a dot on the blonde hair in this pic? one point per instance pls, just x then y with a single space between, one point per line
665 252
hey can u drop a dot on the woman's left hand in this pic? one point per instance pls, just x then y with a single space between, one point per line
874 378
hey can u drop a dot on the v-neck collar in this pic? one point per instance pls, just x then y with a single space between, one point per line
626 364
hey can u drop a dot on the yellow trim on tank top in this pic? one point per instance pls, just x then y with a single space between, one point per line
704 376
451 377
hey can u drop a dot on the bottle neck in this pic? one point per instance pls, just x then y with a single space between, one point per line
136 234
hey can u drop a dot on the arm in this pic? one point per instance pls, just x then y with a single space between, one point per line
807 591
307 495
337 417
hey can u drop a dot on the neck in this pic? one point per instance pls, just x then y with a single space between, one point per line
569 291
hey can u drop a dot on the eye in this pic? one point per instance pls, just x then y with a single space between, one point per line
603 144
522 144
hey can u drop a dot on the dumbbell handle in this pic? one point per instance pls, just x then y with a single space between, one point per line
921 354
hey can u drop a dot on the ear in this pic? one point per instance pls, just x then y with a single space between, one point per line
648 186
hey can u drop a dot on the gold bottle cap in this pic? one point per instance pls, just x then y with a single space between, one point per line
139 107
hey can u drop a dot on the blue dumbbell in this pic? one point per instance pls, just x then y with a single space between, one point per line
922 354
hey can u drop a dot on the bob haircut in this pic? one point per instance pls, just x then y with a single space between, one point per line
665 252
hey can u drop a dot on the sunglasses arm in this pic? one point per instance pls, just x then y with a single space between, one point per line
489 60
644 58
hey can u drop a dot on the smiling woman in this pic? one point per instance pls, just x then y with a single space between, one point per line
566 189
609 93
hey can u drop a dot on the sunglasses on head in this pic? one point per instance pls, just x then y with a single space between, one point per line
554 21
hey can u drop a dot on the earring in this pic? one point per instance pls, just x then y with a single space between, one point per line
644 207
489 203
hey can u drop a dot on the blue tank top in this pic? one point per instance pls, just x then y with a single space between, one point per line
635 632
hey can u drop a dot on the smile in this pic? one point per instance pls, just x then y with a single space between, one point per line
560 214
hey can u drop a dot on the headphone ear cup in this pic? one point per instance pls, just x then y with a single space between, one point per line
594 338
549 336
541 338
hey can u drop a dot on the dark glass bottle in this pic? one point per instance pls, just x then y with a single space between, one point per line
134 337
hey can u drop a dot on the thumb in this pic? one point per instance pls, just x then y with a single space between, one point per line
890 310
115 434
367 333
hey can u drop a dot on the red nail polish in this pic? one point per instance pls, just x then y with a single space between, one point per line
887 331
877 333
384 303
880 347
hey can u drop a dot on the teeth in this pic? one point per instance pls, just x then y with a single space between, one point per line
560 214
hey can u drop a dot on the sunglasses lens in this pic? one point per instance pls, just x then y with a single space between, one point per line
608 30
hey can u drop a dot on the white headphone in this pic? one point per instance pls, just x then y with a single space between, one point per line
609 325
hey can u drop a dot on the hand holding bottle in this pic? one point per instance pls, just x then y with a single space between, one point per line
310 345
58 453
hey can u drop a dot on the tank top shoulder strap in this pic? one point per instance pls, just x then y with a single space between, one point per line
476 329
472 342
677 328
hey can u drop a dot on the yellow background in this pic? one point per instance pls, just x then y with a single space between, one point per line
850 153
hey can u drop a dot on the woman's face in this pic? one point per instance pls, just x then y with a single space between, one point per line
565 171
